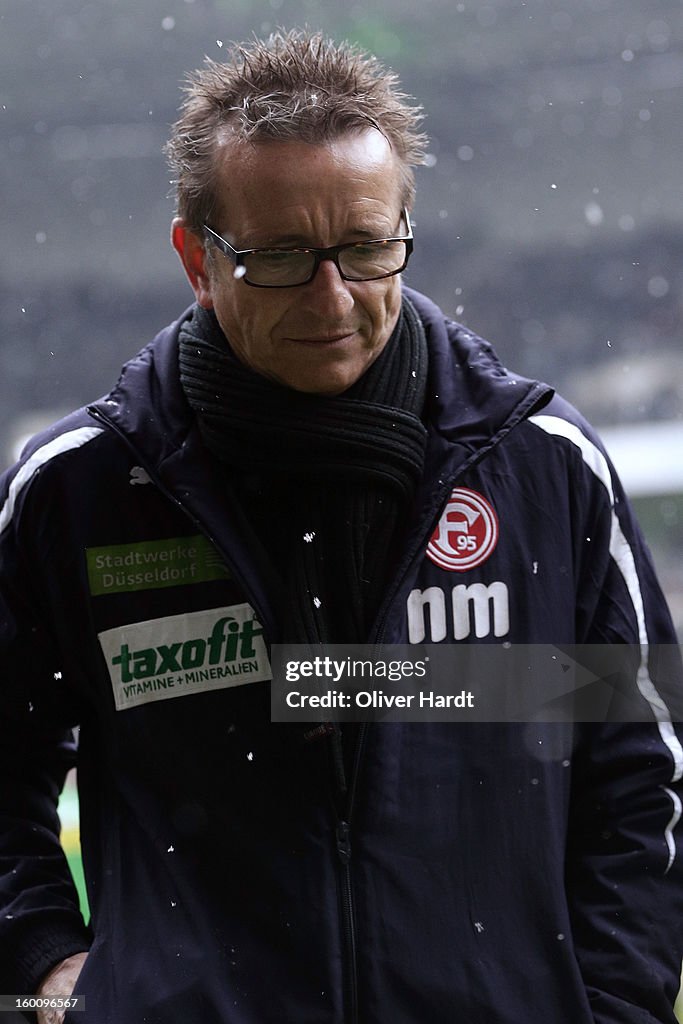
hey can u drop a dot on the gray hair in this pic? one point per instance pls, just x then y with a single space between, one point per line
294 86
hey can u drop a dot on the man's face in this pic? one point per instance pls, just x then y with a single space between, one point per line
319 337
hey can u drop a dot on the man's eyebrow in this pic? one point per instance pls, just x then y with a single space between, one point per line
283 241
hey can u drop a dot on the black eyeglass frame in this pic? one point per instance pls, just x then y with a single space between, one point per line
331 253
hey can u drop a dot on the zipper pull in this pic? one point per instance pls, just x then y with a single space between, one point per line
344 841
338 760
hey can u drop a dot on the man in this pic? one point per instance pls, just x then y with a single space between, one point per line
294 460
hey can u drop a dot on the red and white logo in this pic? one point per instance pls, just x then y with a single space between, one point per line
467 532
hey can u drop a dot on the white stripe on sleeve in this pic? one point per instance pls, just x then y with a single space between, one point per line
63 443
622 554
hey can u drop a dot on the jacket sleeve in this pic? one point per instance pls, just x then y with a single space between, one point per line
40 921
625 856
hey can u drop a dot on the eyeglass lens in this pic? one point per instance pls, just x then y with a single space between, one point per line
361 262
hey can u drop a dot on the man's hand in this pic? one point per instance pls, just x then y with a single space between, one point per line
60 981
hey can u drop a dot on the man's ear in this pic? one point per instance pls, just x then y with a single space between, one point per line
190 249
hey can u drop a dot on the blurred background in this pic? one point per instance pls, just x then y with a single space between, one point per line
549 217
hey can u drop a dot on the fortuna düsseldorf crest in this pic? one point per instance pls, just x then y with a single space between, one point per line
467 532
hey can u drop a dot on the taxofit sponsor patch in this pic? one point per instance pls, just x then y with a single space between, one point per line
152 564
171 657
467 532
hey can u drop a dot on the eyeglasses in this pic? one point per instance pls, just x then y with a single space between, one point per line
288 268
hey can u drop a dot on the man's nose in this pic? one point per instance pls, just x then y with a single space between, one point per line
329 290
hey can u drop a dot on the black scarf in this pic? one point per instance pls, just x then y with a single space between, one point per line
325 483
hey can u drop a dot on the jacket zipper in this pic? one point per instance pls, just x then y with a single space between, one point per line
343 830
344 852
349 954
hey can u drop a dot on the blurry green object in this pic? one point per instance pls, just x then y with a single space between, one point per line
70 836
76 868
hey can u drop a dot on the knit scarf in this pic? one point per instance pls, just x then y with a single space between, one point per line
325 484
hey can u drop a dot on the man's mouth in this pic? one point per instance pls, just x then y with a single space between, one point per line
325 339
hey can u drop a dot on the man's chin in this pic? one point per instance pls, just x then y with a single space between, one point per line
325 372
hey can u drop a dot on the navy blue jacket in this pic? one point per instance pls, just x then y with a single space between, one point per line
499 872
